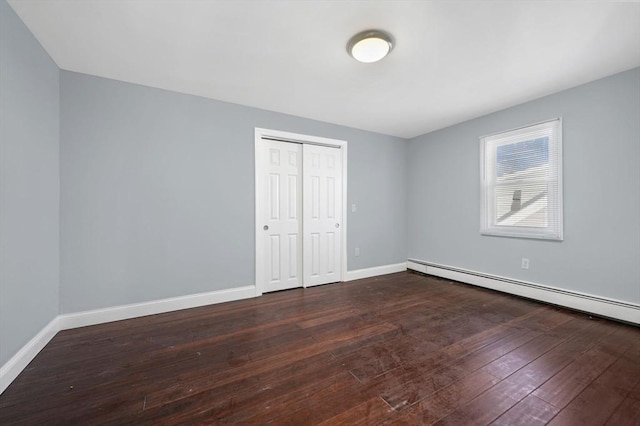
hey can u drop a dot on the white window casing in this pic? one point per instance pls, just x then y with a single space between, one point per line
521 182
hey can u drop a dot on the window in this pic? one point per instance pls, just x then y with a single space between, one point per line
521 182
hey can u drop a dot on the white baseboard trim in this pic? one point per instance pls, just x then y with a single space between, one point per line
375 271
10 370
611 308
135 310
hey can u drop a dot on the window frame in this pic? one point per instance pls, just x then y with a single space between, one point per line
488 160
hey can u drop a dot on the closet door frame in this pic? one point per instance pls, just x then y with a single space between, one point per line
260 204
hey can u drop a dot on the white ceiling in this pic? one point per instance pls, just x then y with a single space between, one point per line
453 60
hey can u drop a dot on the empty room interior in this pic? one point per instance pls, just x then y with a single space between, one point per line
319 212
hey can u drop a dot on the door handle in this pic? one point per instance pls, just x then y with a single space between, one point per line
337 225
266 227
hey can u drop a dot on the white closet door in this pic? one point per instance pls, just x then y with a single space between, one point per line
282 186
322 214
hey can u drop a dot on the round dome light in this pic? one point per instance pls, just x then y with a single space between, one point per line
370 46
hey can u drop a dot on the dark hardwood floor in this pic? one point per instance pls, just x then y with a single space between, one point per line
398 349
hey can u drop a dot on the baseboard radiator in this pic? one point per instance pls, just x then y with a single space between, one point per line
610 308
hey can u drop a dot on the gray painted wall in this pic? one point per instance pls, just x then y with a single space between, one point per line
600 254
29 185
158 192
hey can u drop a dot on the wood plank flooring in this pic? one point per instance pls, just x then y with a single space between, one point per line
402 349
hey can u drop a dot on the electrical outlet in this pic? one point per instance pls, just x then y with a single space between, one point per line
357 251
353 207
525 263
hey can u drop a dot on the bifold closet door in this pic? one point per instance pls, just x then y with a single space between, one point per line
322 214
282 188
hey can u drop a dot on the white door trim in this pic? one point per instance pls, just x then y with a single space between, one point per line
261 204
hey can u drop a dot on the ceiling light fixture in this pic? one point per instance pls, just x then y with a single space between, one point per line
370 46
